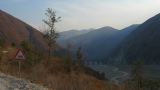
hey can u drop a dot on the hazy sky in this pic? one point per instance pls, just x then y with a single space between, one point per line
83 14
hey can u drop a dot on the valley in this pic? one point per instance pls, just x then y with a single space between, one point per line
112 73
84 45
120 73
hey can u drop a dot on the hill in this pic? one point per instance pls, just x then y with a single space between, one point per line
99 43
64 37
142 44
52 73
14 31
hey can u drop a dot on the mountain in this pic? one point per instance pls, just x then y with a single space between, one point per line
13 30
99 43
72 33
65 36
142 44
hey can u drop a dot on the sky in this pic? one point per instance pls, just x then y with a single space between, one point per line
83 14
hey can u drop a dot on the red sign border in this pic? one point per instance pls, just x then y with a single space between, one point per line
17 54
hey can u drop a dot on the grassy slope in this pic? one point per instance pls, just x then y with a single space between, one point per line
52 75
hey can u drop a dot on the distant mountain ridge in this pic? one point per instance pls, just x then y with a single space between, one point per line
13 30
72 33
97 44
64 37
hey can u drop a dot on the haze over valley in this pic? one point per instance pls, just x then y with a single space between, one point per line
79 45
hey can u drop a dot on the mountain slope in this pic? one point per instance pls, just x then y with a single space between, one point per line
64 37
143 44
72 33
12 30
99 43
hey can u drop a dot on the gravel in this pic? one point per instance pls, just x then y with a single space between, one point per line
8 82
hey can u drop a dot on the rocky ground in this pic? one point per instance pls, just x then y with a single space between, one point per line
8 82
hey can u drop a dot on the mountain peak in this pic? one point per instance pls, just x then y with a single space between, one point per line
107 28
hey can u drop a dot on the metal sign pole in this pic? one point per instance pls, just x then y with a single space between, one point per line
19 57
19 64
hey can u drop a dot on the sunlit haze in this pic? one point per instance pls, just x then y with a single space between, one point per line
83 14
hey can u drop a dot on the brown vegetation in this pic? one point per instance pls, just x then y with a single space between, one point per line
51 73
13 31
37 68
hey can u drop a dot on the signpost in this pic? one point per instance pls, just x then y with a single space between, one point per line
19 57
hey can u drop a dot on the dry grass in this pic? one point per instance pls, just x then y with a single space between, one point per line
52 74
55 76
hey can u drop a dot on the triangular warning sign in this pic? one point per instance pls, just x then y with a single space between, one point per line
19 55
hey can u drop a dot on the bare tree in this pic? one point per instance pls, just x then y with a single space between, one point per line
50 33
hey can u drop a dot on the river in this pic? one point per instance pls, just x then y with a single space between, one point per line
112 73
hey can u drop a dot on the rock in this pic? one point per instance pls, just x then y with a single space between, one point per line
8 82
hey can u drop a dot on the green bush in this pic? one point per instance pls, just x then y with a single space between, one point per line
32 55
